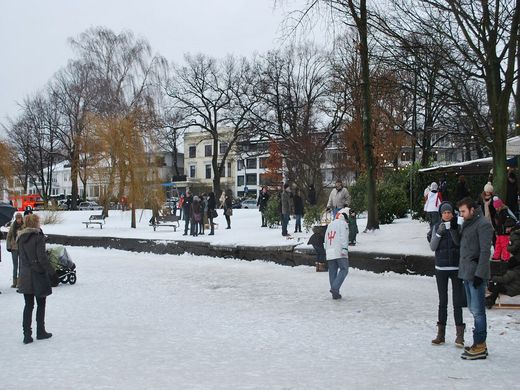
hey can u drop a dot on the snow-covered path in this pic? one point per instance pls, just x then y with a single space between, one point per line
141 321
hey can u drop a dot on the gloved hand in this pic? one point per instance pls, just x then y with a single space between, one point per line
441 229
477 281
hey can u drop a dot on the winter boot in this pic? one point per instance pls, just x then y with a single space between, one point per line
475 352
41 333
335 294
441 333
459 340
27 336
15 283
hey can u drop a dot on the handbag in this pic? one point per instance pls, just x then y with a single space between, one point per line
213 213
229 212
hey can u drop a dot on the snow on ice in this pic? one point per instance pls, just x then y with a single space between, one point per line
143 321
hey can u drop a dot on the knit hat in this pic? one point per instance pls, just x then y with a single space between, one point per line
445 206
434 186
497 202
489 187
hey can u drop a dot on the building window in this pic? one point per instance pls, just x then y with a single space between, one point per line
228 169
207 150
251 179
192 151
192 171
251 163
208 171
263 162
240 165
223 147
263 179
240 181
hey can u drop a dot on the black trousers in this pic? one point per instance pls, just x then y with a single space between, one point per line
458 295
228 220
28 310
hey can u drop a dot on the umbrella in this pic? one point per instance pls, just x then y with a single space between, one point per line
6 213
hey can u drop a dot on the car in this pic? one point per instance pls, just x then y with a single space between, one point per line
89 206
249 204
237 204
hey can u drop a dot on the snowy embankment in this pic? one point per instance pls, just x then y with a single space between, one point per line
143 321
404 236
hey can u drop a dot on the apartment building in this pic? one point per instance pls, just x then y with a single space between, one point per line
198 154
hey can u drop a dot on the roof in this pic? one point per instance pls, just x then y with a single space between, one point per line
480 166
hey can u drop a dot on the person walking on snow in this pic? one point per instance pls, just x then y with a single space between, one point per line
474 270
336 250
338 198
503 224
445 243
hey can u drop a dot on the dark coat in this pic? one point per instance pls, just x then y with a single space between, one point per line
446 246
212 203
352 228
186 208
263 198
31 248
298 205
475 247
511 279
512 192
311 196
461 191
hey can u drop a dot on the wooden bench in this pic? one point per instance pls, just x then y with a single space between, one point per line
96 219
166 220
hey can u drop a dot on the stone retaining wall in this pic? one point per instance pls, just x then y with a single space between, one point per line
289 255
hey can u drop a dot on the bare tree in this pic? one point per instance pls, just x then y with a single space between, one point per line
209 95
480 41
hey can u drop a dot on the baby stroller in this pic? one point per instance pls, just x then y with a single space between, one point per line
61 262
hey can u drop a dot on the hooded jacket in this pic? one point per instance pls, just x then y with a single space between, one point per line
446 246
475 247
31 248
336 239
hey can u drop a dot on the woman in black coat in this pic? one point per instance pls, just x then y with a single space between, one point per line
228 210
33 259
263 198
212 205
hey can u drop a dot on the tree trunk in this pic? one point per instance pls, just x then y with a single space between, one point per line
74 169
216 169
372 218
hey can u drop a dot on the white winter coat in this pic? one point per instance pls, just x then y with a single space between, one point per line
432 202
336 240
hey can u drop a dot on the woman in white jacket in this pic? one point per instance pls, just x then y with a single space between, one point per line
336 249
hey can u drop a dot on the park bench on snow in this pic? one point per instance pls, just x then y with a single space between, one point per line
96 219
165 220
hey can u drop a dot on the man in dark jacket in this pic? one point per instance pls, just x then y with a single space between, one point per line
186 211
311 195
475 251
287 208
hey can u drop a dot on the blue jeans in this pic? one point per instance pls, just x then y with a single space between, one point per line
334 212
336 278
477 307
298 223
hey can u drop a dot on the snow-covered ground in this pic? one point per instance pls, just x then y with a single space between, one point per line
404 236
143 321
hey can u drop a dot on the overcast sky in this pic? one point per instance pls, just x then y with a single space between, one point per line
33 33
